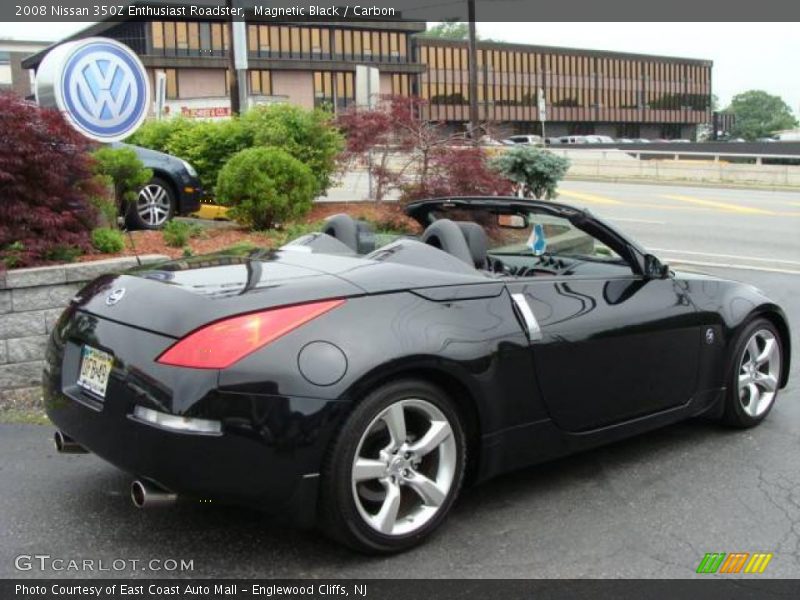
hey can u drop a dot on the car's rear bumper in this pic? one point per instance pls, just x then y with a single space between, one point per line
267 453
190 195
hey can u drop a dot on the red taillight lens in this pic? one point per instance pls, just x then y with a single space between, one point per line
221 344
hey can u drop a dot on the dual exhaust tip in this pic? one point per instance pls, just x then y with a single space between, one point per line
66 445
143 493
148 495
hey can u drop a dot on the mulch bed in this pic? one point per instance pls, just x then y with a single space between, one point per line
218 238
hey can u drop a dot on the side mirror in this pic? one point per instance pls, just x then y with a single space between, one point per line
653 269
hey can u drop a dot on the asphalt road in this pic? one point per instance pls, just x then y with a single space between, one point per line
651 506
754 229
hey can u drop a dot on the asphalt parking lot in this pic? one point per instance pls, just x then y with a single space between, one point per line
651 506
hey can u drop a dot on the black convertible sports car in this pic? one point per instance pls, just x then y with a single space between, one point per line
360 388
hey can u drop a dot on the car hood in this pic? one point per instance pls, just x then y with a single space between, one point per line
176 297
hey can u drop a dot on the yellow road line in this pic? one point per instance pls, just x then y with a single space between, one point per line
591 198
719 205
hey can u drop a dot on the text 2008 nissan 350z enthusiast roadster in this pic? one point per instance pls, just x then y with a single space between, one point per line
360 388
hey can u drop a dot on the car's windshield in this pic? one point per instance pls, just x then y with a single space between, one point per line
527 232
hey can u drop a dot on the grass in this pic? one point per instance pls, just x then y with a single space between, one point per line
29 416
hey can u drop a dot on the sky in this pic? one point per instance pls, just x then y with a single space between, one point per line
746 55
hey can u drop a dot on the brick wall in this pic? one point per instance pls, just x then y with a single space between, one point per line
31 301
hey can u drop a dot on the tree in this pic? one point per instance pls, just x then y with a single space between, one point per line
415 156
47 180
449 30
452 30
534 171
759 114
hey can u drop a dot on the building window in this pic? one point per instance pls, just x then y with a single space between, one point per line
261 83
5 68
172 83
334 91
188 39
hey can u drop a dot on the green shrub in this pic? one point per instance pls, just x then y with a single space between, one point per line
178 233
12 255
63 253
264 186
207 146
534 172
308 135
125 170
156 134
107 240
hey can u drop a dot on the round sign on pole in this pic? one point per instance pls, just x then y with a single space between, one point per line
100 86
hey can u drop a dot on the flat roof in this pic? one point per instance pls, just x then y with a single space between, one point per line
516 47
31 62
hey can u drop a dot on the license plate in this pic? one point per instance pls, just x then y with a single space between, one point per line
95 370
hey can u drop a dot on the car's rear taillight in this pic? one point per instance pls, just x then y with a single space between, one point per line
221 344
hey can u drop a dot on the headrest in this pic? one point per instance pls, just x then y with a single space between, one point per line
477 240
446 235
357 235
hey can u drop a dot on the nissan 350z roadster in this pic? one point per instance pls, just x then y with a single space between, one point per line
358 386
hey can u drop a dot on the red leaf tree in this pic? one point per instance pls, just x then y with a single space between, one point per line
45 185
420 158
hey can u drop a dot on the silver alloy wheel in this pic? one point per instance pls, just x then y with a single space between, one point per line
759 372
404 467
153 204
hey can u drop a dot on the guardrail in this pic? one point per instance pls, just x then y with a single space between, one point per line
677 154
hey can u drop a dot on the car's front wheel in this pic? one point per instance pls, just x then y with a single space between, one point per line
153 207
755 374
395 469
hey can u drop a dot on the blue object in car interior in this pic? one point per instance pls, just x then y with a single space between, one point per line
537 243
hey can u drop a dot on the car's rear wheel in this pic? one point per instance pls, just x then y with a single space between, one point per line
395 469
153 207
755 374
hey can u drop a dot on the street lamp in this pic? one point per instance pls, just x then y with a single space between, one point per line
473 73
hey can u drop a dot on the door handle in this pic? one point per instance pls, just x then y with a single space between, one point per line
531 324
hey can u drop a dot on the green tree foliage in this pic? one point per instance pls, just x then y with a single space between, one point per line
207 146
535 172
265 186
449 31
309 136
156 134
759 114
452 30
125 170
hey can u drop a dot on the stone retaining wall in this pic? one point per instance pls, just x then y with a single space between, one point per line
31 301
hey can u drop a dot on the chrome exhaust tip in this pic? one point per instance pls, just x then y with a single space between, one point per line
66 445
147 495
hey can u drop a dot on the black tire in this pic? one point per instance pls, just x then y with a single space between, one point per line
161 194
340 516
735 413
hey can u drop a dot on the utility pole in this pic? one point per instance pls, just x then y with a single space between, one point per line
236 106
473 74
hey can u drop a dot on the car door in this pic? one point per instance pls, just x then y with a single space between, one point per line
606 350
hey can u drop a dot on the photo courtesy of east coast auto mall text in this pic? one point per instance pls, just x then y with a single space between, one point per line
399 299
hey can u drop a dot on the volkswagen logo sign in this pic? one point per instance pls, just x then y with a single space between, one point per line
115 296
100 86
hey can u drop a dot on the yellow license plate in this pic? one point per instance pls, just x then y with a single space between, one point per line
95 370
